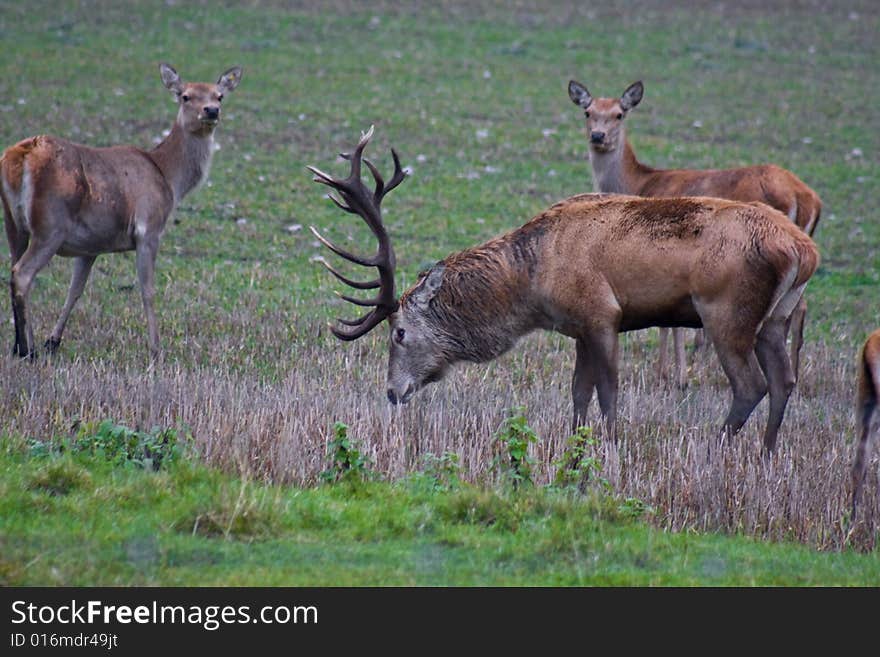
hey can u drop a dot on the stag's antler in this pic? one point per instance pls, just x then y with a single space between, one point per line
357 199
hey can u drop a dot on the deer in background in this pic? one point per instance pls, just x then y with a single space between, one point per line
591 267
617 170
866 412
76 201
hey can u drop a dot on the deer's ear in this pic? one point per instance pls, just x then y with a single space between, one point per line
170 78
430 285
229 80
632 96
579 94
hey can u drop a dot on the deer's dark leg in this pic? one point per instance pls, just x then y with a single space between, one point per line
863 450
82 267
18 244
34 258
583 383
796 329
598 353
774 362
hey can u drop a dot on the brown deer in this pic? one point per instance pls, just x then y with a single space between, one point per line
590 267
617 170
76 201
866 415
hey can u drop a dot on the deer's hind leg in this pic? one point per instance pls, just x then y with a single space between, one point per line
732 330
18 244
35 257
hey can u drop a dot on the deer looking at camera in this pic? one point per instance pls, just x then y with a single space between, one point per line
617 170
76 201
591 267
866 412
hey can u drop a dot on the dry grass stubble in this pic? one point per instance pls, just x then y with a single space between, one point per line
667 455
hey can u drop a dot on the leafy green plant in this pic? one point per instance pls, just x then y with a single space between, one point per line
117 444
634 508
438 473
124 446
514 438
580 465
346 461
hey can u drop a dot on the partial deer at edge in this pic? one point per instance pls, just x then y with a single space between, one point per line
76 201
617 170
866 413
591 267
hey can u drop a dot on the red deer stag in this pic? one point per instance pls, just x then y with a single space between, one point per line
76 201
590 267
616 170
868 419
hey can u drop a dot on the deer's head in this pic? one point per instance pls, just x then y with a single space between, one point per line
417 351
605 115
199 102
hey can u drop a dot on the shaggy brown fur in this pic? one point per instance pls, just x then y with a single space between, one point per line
593 266
866 406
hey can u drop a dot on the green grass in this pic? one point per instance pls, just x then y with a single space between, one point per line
474 99
77 520
431 79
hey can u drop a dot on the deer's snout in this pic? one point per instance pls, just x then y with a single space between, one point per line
211 113
403 398
597 137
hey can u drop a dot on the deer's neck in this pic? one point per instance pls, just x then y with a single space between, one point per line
486 303
184 159
618 171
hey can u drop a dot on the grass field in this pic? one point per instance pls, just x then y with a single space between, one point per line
474 99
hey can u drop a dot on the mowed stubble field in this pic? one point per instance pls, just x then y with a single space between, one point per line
474 99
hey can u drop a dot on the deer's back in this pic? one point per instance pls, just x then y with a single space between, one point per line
767 183
640 251
94 193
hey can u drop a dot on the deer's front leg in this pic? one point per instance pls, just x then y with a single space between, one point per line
582 383
147 248
605 348
596 367
82 267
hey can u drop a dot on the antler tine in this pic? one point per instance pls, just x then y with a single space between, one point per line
353 257
356 157
378 192
370 322
367 303
355 322
340 204
321 177
358 285
399 174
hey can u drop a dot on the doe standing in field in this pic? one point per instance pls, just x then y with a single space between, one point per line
76 201
617 170
866 412
590 267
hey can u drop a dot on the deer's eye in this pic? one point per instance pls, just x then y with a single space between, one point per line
620 116
587 114
220 98
184 98
399 334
